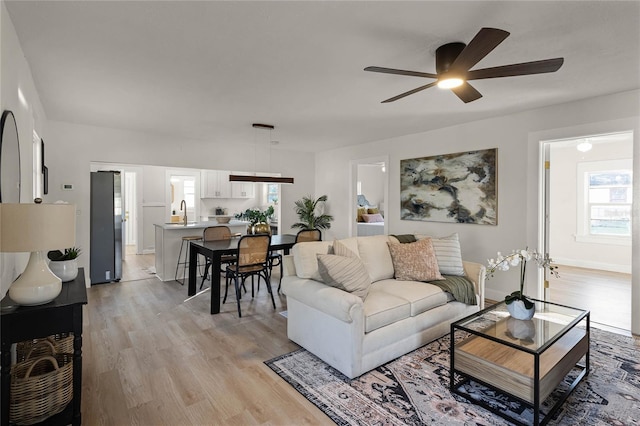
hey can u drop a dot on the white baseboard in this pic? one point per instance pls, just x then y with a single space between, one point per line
579 263
149 251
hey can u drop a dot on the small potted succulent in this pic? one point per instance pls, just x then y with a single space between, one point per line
518 305
258 220
64 264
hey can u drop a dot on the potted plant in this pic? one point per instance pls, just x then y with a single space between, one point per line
518 305
306 211
258 220
64 265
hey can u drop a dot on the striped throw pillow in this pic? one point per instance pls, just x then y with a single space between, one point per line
345 273
448 254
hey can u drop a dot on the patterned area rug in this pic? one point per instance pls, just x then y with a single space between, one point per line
414 389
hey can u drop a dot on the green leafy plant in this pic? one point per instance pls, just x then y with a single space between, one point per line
306 211
254 216
520 258
69 254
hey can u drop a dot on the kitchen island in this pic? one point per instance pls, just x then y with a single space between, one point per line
169 239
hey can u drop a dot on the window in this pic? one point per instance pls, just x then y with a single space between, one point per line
604 200
273 192
609 202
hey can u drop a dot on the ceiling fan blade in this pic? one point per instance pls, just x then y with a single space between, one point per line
467 93
401 72
410 92
484 42
525 68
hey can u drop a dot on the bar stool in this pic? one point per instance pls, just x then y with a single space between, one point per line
185 240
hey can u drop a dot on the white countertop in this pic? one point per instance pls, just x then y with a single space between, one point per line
198 225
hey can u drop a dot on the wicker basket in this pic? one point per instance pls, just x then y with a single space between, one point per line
40 388
58 344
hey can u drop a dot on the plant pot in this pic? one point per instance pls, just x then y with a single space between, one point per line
518 311
66 270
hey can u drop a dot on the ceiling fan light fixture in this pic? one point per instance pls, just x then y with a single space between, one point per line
450 83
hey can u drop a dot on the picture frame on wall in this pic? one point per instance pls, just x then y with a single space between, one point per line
460 187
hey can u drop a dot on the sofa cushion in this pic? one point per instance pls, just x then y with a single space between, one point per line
304 257
374 253
448 253
415 261
345 273
421 296
381 309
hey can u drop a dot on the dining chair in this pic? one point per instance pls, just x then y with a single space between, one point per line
252 259
216 233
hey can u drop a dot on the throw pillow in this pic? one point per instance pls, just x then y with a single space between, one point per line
415 261
448 254
373 210
361 211
345 273
372 218
340 249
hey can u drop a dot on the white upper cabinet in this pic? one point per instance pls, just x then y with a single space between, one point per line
215 184
243 189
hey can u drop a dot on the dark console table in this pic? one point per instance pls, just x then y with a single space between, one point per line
62 315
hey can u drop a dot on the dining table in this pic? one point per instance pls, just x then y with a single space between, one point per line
214 250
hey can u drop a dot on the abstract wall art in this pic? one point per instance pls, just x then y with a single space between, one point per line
460 188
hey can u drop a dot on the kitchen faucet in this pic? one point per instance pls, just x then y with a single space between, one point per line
184 219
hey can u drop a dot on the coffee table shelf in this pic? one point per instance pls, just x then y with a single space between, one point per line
526 359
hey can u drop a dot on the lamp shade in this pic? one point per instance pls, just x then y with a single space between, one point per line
36 227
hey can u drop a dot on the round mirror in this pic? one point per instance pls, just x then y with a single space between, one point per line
9 160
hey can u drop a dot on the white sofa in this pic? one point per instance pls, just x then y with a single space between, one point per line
396 317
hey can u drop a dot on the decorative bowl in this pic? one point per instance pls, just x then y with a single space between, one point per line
223 219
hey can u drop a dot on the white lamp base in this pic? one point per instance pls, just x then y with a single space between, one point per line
37 285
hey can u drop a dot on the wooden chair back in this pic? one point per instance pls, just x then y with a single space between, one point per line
253 250
216 233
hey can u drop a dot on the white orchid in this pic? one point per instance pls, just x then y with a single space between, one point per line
520 257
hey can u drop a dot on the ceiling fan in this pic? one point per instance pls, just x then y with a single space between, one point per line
455 60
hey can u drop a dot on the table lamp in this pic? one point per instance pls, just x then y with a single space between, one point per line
36 228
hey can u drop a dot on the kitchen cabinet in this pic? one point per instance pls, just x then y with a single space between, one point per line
243 189
215 184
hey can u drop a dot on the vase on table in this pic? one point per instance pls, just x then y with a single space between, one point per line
518 311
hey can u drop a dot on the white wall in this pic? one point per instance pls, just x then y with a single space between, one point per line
71 148
563 203
15 75
518 162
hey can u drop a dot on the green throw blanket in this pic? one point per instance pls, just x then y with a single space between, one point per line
460 288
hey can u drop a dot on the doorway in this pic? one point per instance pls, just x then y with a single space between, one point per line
370 191
588 204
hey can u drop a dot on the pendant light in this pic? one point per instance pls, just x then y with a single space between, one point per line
258 178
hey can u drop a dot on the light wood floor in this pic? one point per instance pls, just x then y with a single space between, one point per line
149 358
137 266
607 295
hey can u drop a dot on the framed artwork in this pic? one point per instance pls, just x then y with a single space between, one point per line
459 188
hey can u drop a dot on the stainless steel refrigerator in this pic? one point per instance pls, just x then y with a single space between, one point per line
106 227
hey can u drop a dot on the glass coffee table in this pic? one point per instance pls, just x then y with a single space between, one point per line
524 359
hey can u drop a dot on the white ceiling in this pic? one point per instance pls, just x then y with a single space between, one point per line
207 70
